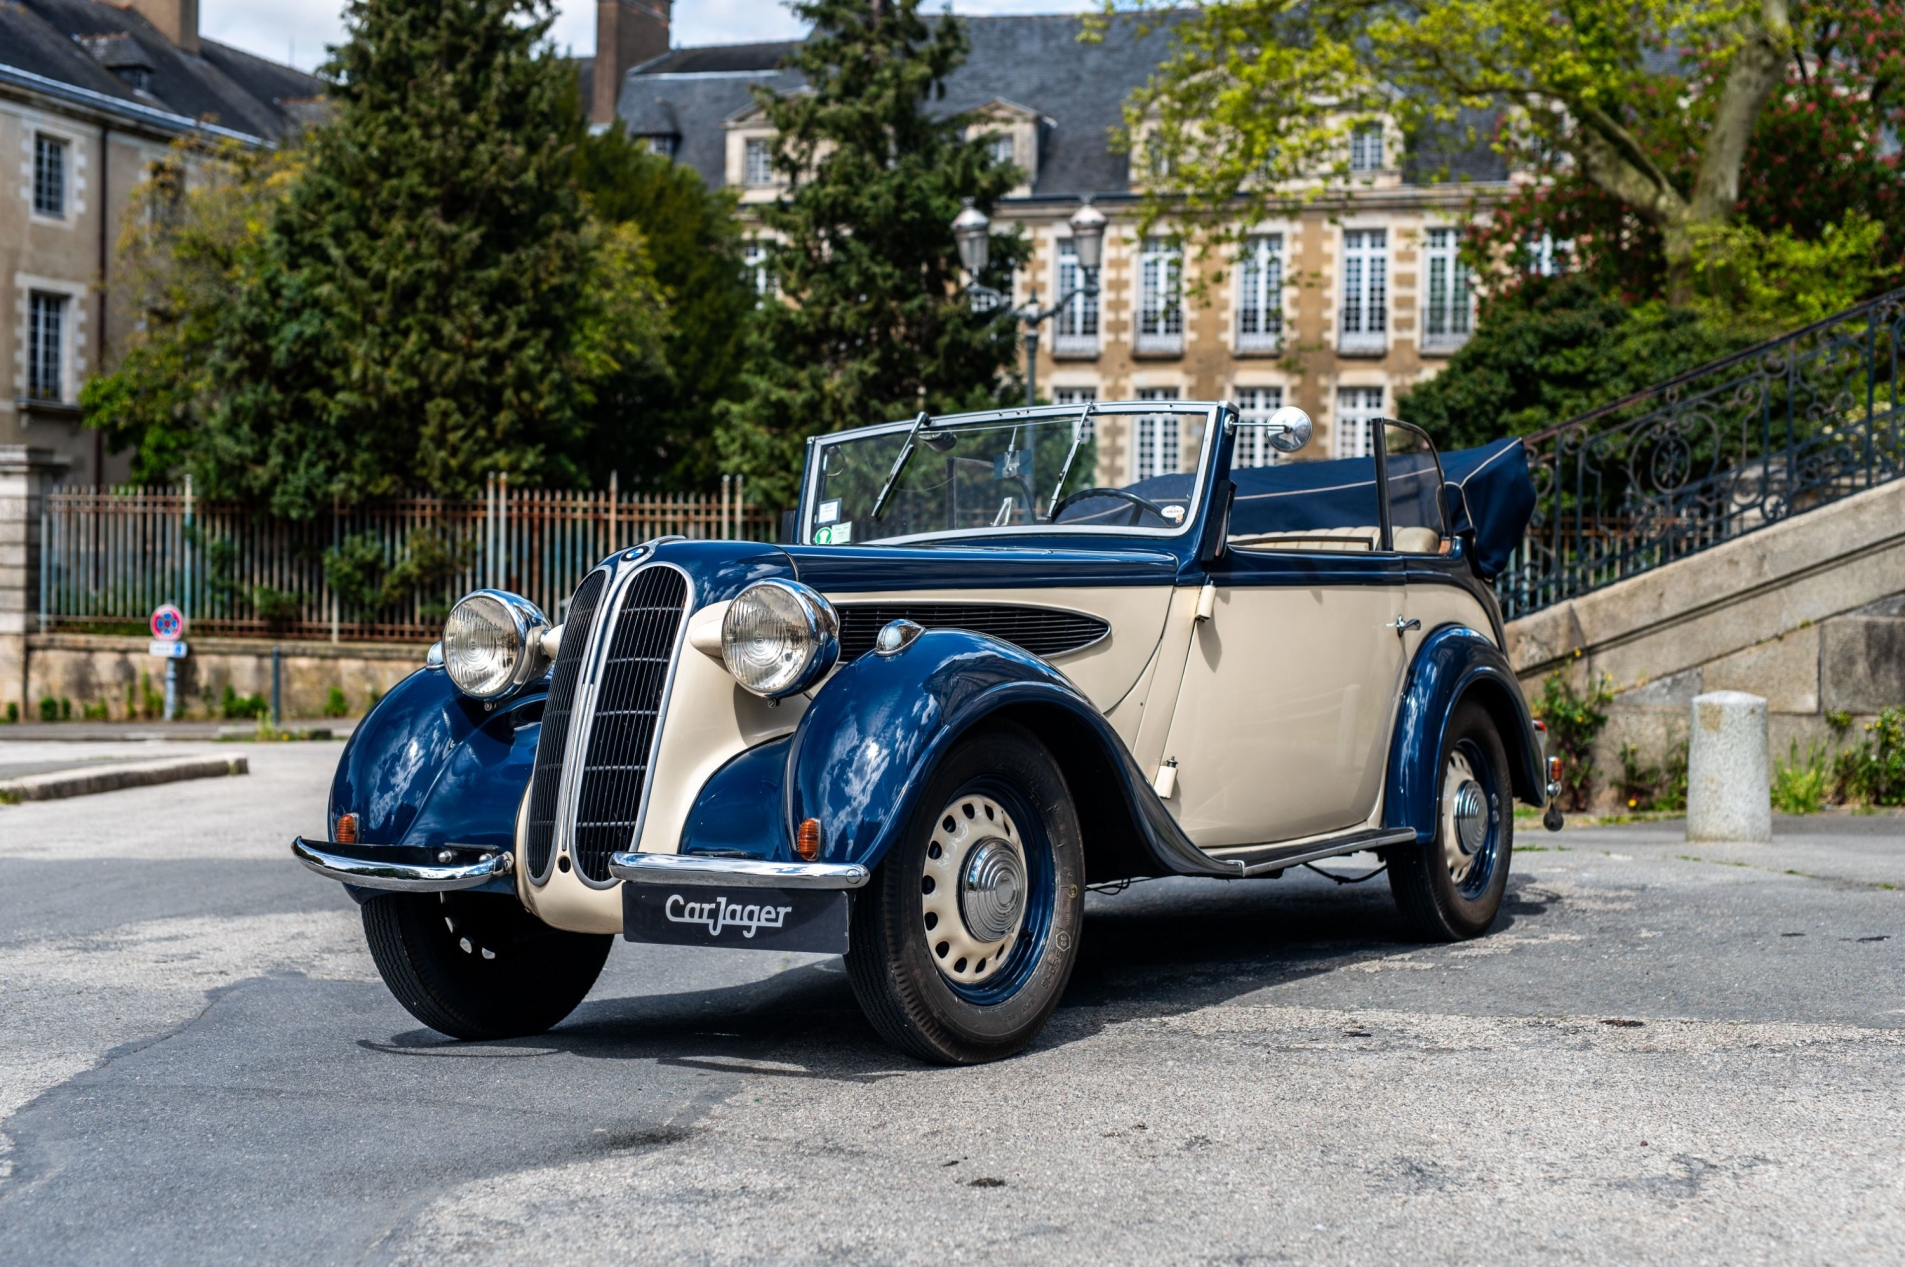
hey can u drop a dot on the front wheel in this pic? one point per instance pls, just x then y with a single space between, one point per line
477 965
964 940
1452 888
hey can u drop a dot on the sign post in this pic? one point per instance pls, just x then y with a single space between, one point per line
168 641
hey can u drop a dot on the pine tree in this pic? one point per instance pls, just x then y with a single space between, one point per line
868 322
429 300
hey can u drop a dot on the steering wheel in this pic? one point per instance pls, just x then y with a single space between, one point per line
1141 503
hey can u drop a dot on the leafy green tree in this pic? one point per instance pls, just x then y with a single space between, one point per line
1258 99
658 420
428 301
873 326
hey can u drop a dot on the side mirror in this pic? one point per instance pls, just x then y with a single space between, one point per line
1290 429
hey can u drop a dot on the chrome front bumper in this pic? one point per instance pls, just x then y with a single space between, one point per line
735 873
406 868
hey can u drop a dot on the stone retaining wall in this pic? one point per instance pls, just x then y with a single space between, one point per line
95 670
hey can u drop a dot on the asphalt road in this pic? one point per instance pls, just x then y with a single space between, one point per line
1663 1053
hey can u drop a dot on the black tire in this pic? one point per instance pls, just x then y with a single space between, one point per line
909 995
1451 889
477 965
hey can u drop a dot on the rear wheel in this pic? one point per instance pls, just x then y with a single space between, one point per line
477 965
963 941
1452 888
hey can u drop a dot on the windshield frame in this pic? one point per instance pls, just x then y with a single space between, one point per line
1212 413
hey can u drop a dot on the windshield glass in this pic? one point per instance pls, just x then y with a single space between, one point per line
978 474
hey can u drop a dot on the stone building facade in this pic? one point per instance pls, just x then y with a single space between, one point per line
1337 309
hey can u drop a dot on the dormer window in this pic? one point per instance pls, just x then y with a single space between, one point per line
138 78
1003 149
662 145
757 163
1365 148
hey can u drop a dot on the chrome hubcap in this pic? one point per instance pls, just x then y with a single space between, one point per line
1465 817
972 895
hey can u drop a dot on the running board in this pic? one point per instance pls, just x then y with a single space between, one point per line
1276 857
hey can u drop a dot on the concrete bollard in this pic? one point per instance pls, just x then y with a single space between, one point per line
1728 776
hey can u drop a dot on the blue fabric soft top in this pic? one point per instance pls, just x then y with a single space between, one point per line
1488 494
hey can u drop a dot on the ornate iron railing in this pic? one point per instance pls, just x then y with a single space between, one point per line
1746 441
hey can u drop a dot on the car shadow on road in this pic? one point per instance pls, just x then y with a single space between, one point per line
1151 952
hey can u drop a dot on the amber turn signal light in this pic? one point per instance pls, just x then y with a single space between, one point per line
807 840
1554 769
347 829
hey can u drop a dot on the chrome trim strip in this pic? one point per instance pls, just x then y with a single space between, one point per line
661 721
582 713
402 877
1349 842
743 873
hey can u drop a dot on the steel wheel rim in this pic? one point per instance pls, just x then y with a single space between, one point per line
975 890
1470 813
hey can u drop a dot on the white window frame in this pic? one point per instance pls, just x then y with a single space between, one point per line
1003 147
1448 303
1252 447
1356 408
1363 323
38 359
1160 324
757 162
1260 294
1075 329
754 260
1157 446
662 144
1366 148
43 141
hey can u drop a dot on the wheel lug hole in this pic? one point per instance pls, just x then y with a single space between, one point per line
927 884
932 921
942 948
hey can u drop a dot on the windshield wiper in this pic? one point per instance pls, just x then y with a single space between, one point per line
899 463
1078 438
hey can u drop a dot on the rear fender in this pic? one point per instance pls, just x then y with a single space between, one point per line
874 733
430 766
1455 663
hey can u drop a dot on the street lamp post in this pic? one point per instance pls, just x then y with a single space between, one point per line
973 232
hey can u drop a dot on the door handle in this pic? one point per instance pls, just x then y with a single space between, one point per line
1404 624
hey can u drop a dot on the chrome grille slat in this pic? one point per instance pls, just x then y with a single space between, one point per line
621 728
545 786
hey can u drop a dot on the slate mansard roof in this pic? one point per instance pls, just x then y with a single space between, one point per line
88 46
1036 62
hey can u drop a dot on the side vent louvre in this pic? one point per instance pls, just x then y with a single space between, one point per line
627 709
545 782
1043 631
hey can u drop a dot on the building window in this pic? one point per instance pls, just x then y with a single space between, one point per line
1365 291
1077 333
662 145
46 346
49 175
1549 258
1445 322
1260 294
1357 408
1160 451
758 161
1160 306
1256 404
1084 474
1365 148
1002 148
754 260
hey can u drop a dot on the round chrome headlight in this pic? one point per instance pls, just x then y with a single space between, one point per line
492 644
779 637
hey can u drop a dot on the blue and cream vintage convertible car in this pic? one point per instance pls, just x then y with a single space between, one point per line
974 685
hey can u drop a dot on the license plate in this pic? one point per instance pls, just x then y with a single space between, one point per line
744 919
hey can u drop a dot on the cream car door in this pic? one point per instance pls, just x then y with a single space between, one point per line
1283 716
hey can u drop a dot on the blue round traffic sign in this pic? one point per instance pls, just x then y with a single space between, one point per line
168 623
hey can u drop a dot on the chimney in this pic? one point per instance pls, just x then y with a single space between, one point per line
627 33
177 20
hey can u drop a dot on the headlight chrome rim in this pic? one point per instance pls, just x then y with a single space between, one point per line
778 638
492 644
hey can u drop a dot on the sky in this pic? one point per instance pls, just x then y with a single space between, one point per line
297 31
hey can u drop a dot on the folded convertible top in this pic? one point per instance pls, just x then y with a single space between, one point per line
1488 494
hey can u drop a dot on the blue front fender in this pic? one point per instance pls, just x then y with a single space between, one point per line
1452 664
873 735
430 766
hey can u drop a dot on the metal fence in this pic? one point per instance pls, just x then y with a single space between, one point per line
1793 423
386 570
